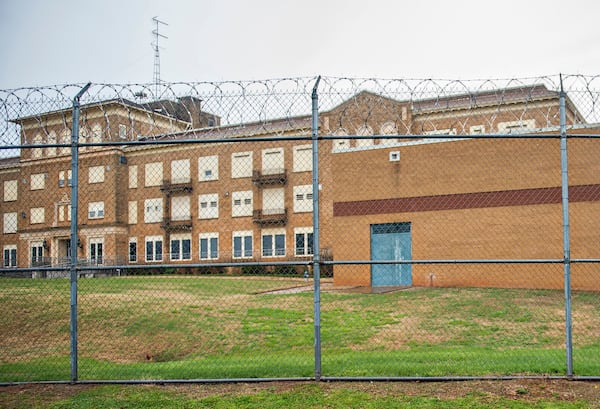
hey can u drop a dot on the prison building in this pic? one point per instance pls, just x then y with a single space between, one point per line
221 193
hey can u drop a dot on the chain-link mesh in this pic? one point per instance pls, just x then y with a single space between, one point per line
441 229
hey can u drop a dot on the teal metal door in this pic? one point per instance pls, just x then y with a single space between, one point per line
391 241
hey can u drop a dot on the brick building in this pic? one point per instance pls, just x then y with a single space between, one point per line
227 198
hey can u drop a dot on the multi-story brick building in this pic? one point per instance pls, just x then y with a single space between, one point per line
228 197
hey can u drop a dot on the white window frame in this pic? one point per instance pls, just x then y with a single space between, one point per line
9 256
11 190
36 253
153 174
516 126
65 178
9 222
180 208
242 164
153 210
132 214
303 199
273 161
122 131
244 251
180 255
304 232
37 215
302 158
51 150
38 181
242 203
208 206
133 176
208 168
212 253
180 171
154 254
96 174
273 250
447 131
96 210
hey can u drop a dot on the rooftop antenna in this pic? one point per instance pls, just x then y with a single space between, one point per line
157 36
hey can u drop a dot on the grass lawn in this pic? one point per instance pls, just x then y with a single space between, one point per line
190 327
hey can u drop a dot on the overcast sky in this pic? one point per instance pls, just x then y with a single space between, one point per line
46 42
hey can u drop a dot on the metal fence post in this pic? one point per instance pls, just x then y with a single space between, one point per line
566 230
316 243
74 240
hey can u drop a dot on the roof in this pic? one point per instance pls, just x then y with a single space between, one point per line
485 98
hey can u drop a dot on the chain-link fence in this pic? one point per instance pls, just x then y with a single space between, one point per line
307 228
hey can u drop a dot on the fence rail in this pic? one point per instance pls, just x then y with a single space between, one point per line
307 228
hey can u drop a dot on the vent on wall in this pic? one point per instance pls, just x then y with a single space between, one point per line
395 156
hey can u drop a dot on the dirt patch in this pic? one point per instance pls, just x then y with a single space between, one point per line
526 390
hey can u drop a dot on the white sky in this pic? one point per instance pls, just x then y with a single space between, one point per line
47 42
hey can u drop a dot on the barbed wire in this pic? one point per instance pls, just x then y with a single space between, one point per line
276 106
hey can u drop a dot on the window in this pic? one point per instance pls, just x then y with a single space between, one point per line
209 246
303 198
242 244
208 168
10 190
133 250
96 174
37 253
181 247
241 203
153 174
96 210
208 206
340 144
96 133
132 214
122 131
303 158
51 150
37 215
273 243
272 161
180 171
153 212
447 131
37 140
273 201
96 250
364 130
65 178
516 126
180 208
241 165
154 248
304 240
133 176
62 210
10 256
38 181
10 223
65 139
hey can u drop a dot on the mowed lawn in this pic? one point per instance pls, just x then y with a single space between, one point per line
202 327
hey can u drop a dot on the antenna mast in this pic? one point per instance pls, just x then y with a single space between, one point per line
157 36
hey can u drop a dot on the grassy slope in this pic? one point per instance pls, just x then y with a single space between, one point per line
207 327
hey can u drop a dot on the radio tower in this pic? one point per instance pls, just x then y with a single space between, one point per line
157 36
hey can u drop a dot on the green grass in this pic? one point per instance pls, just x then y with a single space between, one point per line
299 396
177 327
